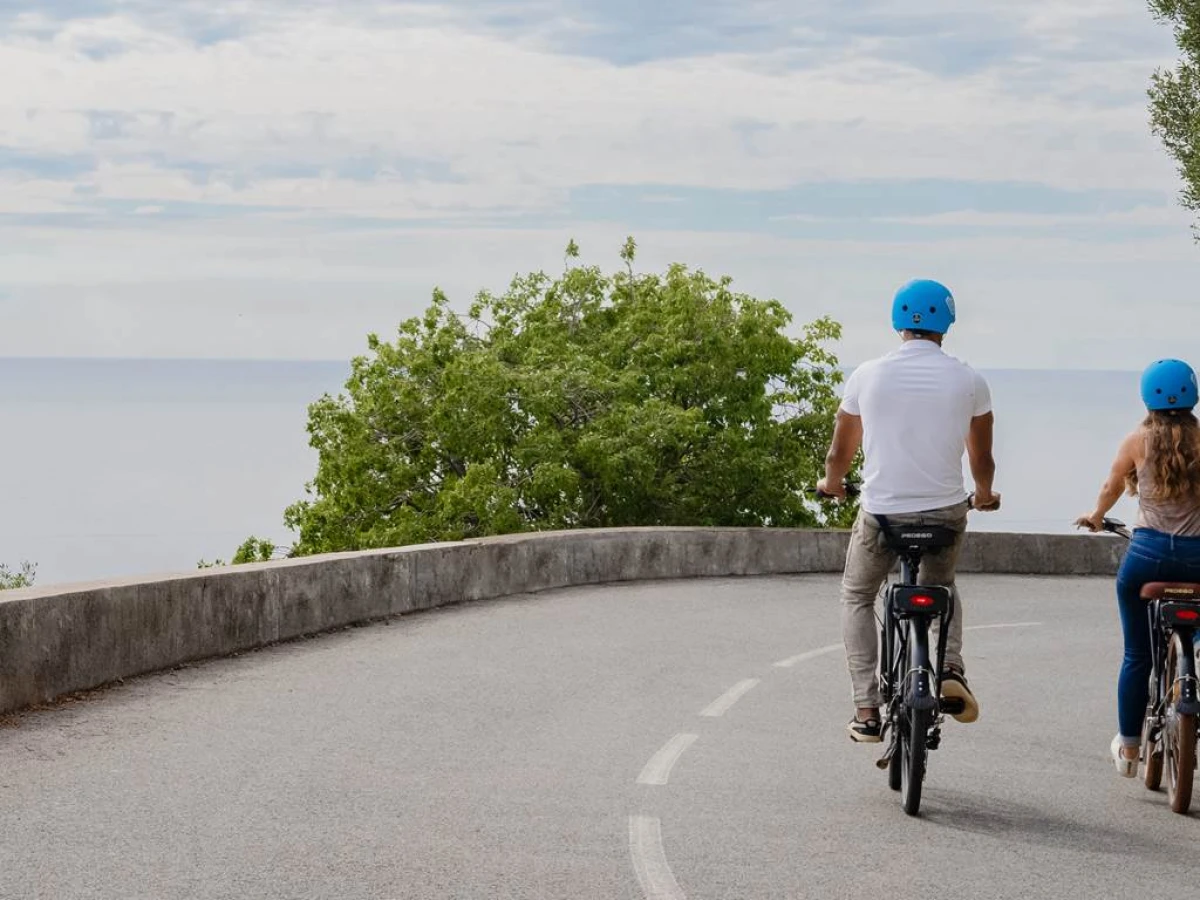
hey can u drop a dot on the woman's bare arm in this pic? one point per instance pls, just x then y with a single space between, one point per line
1123 466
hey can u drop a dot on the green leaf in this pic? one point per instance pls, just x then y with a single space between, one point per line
23 577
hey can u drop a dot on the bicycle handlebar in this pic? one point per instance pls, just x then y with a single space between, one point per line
854 488
1117 527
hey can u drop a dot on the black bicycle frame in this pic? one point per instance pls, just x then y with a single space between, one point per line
923 686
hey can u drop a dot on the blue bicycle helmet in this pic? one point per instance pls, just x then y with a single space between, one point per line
923 305
1169 384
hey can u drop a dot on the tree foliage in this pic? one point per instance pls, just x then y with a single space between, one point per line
253 549
586 400
23 577
1175 95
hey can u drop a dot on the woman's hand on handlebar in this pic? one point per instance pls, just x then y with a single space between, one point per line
1093 522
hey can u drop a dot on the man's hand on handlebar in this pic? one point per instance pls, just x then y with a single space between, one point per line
835 490
985 502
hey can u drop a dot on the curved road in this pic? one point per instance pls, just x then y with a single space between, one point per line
635 741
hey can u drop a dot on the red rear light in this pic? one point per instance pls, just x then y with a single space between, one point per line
921 600
1187 615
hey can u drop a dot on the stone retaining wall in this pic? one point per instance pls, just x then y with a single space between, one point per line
61 639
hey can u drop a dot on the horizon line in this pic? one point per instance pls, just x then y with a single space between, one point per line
280 360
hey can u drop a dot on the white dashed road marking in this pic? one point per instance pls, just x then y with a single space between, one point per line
645 832
722 704
833 648
658 770
650 862
811 654
1002 625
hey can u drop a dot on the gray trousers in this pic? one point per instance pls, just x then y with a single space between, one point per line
868 562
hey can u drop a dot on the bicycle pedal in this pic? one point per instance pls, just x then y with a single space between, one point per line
954 706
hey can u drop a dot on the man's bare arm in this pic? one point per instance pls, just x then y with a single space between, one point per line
847 438
983 463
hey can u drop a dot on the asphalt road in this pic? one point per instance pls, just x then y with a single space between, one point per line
636 741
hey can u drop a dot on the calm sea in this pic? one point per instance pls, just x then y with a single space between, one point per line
123 467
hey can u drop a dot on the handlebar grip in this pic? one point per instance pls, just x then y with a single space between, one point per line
852 488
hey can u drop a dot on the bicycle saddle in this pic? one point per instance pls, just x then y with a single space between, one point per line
910 538
1171 590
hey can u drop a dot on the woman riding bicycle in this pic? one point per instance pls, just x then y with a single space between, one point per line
1159 463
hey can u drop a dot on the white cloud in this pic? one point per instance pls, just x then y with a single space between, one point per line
378 111
328 86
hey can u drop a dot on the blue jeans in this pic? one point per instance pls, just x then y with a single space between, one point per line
1152 556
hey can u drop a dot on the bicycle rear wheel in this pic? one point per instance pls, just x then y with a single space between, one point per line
891 675
914 758
1179 736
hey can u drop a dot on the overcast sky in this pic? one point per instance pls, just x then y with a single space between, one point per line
276 178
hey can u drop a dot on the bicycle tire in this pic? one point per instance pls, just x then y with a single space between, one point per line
915 757
1179 781
1152 770
1179 739
885 667
896 763
892 673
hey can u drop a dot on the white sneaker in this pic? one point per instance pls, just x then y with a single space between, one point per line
1127 768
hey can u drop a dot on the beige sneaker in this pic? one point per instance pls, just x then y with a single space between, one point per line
954 687
868 732
1126 768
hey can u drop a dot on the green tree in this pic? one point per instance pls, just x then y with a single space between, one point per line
253 549
23 577
587 400
1175 95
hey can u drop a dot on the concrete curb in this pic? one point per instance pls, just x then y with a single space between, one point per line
68 638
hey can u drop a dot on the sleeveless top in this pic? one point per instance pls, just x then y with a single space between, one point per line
1179 517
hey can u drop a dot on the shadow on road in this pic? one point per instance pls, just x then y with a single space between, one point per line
1004 819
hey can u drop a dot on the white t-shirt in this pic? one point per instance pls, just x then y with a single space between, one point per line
916 405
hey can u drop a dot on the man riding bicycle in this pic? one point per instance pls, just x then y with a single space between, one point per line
913 412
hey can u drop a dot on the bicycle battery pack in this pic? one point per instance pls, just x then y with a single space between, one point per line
922 600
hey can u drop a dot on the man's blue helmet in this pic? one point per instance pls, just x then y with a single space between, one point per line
1169 384
923 305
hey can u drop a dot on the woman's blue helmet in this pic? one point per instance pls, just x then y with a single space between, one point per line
1169 384
923 305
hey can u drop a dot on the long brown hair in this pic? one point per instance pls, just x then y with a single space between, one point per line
1173 455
